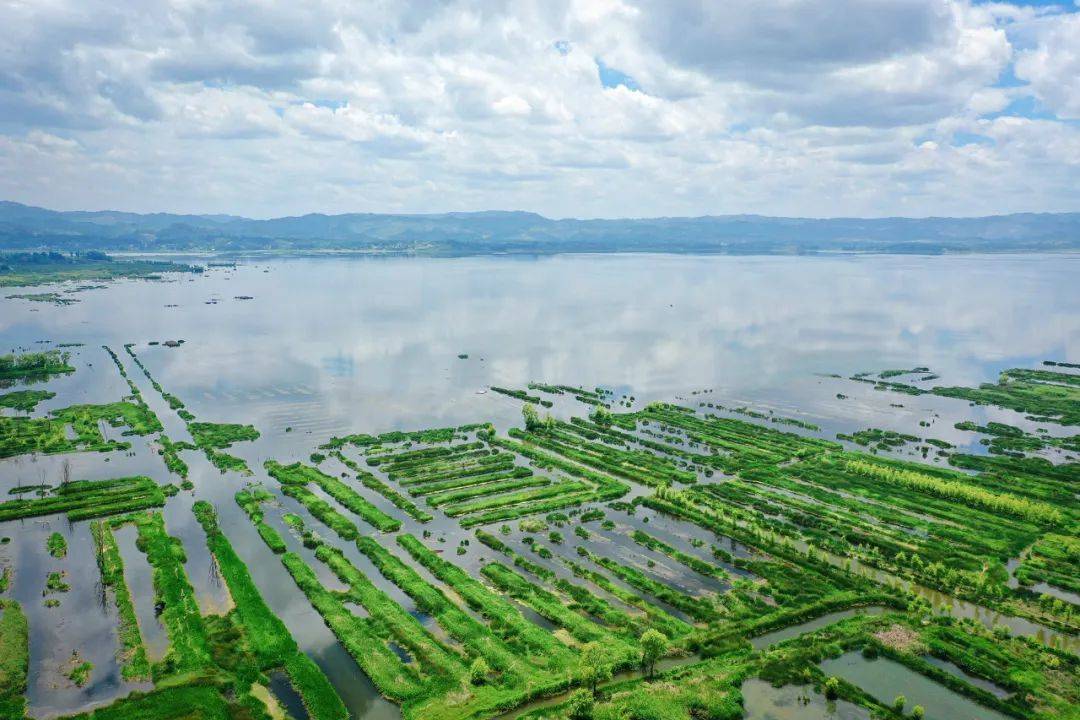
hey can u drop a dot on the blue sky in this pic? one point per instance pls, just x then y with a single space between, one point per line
613 78
583 108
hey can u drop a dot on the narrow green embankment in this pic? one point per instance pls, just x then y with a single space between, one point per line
270 640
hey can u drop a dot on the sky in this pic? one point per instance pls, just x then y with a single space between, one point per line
569 108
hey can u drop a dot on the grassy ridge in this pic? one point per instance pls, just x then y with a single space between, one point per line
459 494
188 702
24 400
27 366
294 477
506 620
433 661
211 438
49 435
363 638
469 479
359 636
189 648
697 608
473 635
480 464
268 637
14 659
374 483
89 499
134 664
431 436
557 610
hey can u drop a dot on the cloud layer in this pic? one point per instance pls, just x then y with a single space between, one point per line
565 107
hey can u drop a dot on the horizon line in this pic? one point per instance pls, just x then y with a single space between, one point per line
545 217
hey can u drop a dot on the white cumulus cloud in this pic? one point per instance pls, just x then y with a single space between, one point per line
565 107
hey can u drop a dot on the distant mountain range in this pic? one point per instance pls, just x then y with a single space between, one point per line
23 227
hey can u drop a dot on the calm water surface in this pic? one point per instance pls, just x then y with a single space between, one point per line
885 679
329 345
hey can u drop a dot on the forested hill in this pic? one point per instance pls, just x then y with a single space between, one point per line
29 228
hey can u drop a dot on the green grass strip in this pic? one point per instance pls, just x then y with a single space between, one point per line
189 648
555 609
185 702
428 466
434 660
322 510
270 640
423 455
362 638
697 608
85 499
472 634
133 661
298 474
669 625
514 498
559 502
14 659
506 620
359 636
458 495
485 462
470 479
373 483
694 563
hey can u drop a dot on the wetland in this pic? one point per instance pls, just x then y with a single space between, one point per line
605 487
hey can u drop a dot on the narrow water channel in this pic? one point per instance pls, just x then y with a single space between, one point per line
139 576
763 641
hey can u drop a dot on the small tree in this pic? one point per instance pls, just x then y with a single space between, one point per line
832 688
580 705
653 646
997 573
602 416
594 665
898 703
917 712
478 671
532 418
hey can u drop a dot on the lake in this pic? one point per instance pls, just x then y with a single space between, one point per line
337 344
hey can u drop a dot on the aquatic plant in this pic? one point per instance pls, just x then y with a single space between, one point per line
56 545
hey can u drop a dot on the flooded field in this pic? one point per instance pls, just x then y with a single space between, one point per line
765 702
885 680
454 488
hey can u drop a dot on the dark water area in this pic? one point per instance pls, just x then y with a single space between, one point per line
287 696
